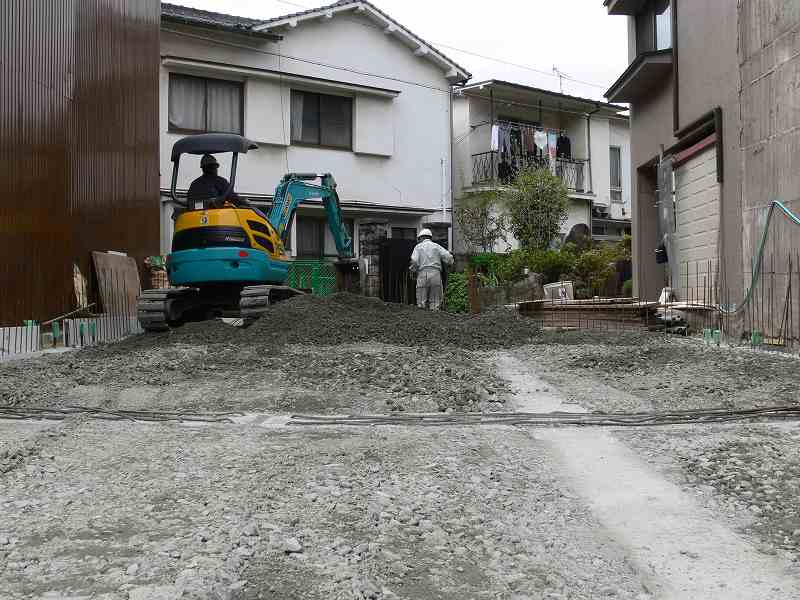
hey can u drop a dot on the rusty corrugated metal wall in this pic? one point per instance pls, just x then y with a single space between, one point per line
78 144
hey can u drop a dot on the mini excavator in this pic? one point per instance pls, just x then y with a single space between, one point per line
228 258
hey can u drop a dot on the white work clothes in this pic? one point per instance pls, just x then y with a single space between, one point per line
429 255
429 289
427 261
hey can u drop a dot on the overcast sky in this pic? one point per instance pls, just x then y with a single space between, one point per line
576 36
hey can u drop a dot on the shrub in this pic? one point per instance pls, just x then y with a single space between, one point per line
552 264
627 288
481 220
456 296
538 203
593 270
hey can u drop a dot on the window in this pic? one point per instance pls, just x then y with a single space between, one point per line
654 27
310 237
616 167
663 12
322 120
199 105
404 233
598 230
314 239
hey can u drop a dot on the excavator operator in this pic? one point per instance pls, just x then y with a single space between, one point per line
210 185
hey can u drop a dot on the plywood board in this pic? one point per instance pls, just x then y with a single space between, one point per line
118 282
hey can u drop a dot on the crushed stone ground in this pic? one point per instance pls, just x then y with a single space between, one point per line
220 512
120 512
749 474
651 371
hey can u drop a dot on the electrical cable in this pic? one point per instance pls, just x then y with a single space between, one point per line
475 54
305 60
686 417
553 419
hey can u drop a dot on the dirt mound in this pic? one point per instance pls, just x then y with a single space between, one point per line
346 318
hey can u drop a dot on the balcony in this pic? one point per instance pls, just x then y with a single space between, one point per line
489 169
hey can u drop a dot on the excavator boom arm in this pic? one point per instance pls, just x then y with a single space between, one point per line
293 189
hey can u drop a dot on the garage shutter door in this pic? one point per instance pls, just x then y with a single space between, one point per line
697 212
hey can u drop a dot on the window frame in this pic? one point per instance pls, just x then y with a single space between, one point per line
205 80
611 148
319 95
651 27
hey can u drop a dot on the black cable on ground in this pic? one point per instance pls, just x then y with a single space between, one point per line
553 419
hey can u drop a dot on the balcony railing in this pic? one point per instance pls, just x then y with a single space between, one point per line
488 168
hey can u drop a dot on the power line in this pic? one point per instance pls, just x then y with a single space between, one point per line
306 60
478 55
520 66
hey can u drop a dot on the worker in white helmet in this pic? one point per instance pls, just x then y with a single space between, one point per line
427 262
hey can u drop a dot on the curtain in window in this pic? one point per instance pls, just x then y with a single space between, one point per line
305 117
310 237
187 103
224 106
336 116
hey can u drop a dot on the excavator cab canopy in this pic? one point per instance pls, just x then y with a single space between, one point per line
209 143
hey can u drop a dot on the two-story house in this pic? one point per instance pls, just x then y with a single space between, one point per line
501 127
343 89
685 86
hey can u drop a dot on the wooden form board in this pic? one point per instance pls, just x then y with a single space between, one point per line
118 282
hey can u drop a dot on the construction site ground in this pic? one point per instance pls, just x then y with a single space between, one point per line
251 505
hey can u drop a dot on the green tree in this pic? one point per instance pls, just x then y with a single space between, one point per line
537 204
481 221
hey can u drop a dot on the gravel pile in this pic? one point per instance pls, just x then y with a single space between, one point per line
378 378
347 318
345 353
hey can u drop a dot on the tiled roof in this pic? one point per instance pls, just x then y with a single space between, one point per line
232 23
213 20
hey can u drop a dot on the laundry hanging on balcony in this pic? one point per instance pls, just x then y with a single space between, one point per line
540 138
563 147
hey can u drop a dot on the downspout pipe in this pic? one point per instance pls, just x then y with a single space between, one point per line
589 144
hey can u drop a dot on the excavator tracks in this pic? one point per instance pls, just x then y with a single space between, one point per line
158 309
163 309
255 300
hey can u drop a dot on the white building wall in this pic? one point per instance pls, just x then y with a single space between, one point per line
399 143
601 160
620 135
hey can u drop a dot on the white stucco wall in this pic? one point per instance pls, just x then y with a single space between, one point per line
620 135
399 143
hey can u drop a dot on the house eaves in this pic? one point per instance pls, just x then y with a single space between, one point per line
203 67
563 100
644 74
453 71
624 7
184 15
